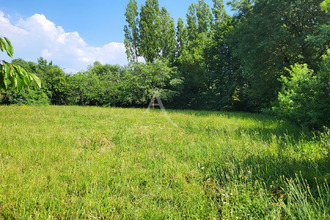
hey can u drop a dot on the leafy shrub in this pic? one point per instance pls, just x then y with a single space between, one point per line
31 96
305 96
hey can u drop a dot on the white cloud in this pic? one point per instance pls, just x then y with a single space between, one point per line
37 36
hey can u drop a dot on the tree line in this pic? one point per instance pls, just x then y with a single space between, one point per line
270 56
99 85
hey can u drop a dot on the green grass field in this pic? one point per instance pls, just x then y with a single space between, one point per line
112 163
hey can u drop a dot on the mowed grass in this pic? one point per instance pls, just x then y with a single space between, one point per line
113 163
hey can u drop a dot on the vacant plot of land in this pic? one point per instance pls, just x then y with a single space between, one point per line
85 162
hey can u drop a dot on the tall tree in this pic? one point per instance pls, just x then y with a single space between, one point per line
132 31
192 22
225 81
193 67
219 12
181 37
242 7
150 30
167 35
204 16
192 63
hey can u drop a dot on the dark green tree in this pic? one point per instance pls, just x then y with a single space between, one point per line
193 67
269 37
57 85
225 81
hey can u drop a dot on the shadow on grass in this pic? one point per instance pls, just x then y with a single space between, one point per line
268 187
268 129
263 128
270 169
273 170
238 115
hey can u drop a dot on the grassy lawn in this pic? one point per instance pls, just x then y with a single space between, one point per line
112 163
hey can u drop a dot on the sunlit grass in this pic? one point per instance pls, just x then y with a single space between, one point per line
88 162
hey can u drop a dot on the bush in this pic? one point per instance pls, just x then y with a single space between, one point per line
142 80
31 96
305 96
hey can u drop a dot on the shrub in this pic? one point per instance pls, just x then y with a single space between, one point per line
305 96
31 96
142 80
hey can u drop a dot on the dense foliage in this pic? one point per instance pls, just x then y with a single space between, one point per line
214 61
305 96
100 85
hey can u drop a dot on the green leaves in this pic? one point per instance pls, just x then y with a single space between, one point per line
36 79
2 44
272 35
5 45
325 5
9 49
305 96
14 76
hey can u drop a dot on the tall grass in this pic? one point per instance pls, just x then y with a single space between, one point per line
112 163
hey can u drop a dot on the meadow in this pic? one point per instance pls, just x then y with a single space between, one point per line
60 162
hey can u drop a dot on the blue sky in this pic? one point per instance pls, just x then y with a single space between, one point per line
72 33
